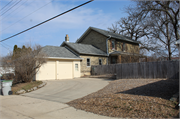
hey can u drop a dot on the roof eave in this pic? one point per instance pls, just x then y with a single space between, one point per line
64 58
93 54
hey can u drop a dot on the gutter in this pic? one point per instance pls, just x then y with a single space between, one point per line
107 47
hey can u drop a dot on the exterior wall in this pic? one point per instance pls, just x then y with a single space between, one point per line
58 69
96 39
94 60
131 48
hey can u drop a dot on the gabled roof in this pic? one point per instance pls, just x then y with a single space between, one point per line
84 48
59 52
107 34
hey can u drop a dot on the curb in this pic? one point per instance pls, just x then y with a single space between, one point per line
32 89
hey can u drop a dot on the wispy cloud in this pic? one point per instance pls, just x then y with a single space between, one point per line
79 19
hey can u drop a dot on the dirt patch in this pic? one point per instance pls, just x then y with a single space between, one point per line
132 98
25 86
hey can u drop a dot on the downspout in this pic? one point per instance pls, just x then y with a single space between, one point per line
107 47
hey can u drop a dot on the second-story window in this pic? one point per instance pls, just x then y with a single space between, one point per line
113 45
124 47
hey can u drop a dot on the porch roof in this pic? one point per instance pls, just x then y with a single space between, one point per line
123 53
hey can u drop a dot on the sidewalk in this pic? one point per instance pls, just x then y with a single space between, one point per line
18 107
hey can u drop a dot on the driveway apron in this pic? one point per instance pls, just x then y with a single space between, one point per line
68 89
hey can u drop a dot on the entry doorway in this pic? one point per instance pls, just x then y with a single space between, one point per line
113 59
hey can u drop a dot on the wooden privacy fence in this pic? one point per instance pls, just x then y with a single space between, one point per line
163 69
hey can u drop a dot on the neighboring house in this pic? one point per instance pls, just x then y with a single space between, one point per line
4 70
94 47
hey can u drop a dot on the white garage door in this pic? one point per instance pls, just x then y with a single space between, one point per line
65 70
48 71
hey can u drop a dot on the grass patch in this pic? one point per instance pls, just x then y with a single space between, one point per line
25 86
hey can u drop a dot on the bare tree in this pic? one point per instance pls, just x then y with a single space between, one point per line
26 62
154 23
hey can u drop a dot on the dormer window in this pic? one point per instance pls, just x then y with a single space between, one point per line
113 45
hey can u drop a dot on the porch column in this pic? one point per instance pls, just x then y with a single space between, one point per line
119 59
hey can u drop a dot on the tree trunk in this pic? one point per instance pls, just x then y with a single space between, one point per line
168 42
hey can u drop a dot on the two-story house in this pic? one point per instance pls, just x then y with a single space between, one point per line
94 47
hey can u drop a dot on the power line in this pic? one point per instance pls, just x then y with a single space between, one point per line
26 16
6 5
5 47
46 21
14 9
11 7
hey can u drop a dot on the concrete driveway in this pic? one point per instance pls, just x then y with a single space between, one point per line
68 89
48 102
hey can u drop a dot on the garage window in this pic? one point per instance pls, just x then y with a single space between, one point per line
76 67
88 62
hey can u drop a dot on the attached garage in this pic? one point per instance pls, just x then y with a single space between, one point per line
47 71
65 66
65 70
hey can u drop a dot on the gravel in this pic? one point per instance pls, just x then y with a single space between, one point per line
132 98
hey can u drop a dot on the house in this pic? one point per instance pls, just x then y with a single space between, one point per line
94 47
4 70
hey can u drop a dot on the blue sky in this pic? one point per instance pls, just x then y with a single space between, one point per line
99 13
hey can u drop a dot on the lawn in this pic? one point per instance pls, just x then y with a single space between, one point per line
25 86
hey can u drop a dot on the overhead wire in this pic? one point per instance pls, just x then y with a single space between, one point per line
14 10
11 7
26 16
7 45
4 46
6 5
46 21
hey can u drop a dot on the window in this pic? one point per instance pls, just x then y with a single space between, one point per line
113 44
76 67
100 61
124 47
88 62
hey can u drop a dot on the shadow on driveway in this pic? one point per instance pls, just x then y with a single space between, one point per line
163 89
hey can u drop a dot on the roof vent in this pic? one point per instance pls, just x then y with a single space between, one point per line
67 38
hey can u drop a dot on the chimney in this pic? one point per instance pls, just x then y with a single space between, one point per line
67 38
